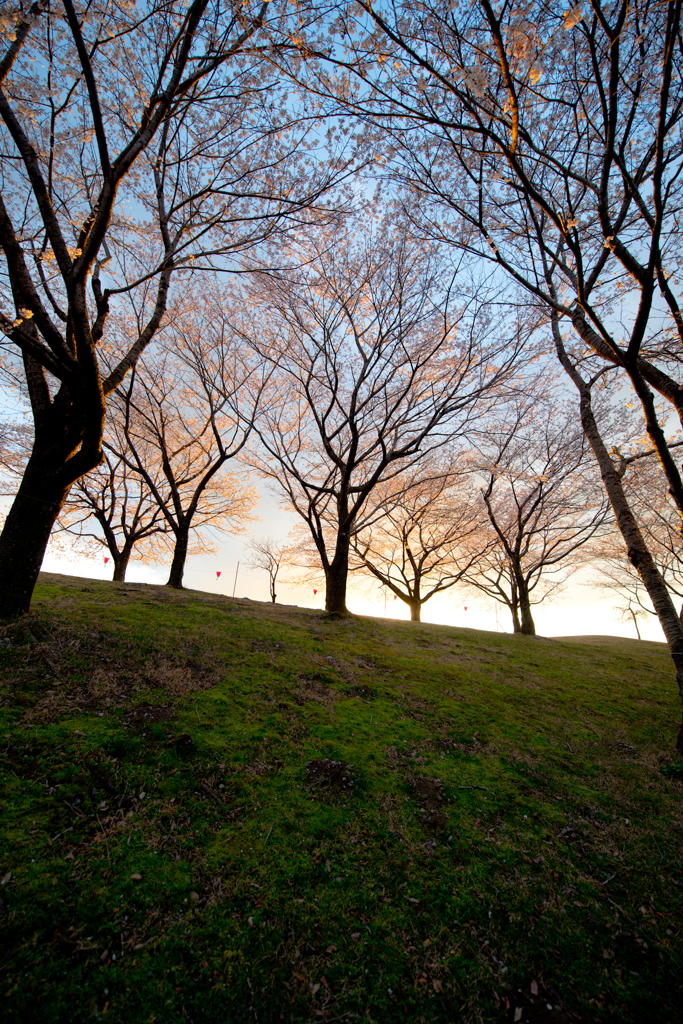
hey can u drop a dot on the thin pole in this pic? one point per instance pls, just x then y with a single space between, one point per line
235 583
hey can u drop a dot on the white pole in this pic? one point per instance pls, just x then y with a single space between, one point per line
235 583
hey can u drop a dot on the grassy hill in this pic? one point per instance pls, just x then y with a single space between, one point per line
220 810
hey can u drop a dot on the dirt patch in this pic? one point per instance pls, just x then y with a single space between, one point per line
145 715
330 779
316 687
362 692
178 676
431 796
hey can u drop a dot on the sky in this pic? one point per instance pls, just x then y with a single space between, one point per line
581 610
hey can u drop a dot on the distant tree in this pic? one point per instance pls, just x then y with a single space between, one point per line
547 142
268 555
418 547
129 517
184 414
380 357
543 503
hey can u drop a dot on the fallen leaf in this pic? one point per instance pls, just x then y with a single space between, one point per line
331 949
7 878
438 987
195 896
105 955
534 988
411 899
137 878
325 982
518 1014
355 936
314 989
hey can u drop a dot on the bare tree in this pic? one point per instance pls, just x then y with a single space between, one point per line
418 547
138 145
379 359
548 142
543 503
268 555
183 418
122 505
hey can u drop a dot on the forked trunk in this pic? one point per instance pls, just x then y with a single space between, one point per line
175 578
516 624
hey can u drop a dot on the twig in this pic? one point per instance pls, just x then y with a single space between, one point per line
475 787
268 836
608 880
62 833
661 855
106 844
196 709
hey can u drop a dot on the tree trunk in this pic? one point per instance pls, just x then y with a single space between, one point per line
59 456
336 577
121 560
25 536
527 625
175 578
516 624
415 611
638 552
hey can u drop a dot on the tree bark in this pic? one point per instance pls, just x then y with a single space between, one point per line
527 625
54 464
121 560
25 536
637 549
415 611
516 624
336 576
175 578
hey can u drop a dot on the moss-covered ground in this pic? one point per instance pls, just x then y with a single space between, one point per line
216 810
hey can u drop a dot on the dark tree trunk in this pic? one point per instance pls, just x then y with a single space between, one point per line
121 560
336 577
175 578
25 536
516 624
415 611
527 626
58 457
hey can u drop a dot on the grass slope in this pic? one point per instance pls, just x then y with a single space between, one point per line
218 810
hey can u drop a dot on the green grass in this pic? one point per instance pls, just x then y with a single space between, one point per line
510 823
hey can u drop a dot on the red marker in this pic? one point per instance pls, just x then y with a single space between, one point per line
106 560
218 574
315 592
